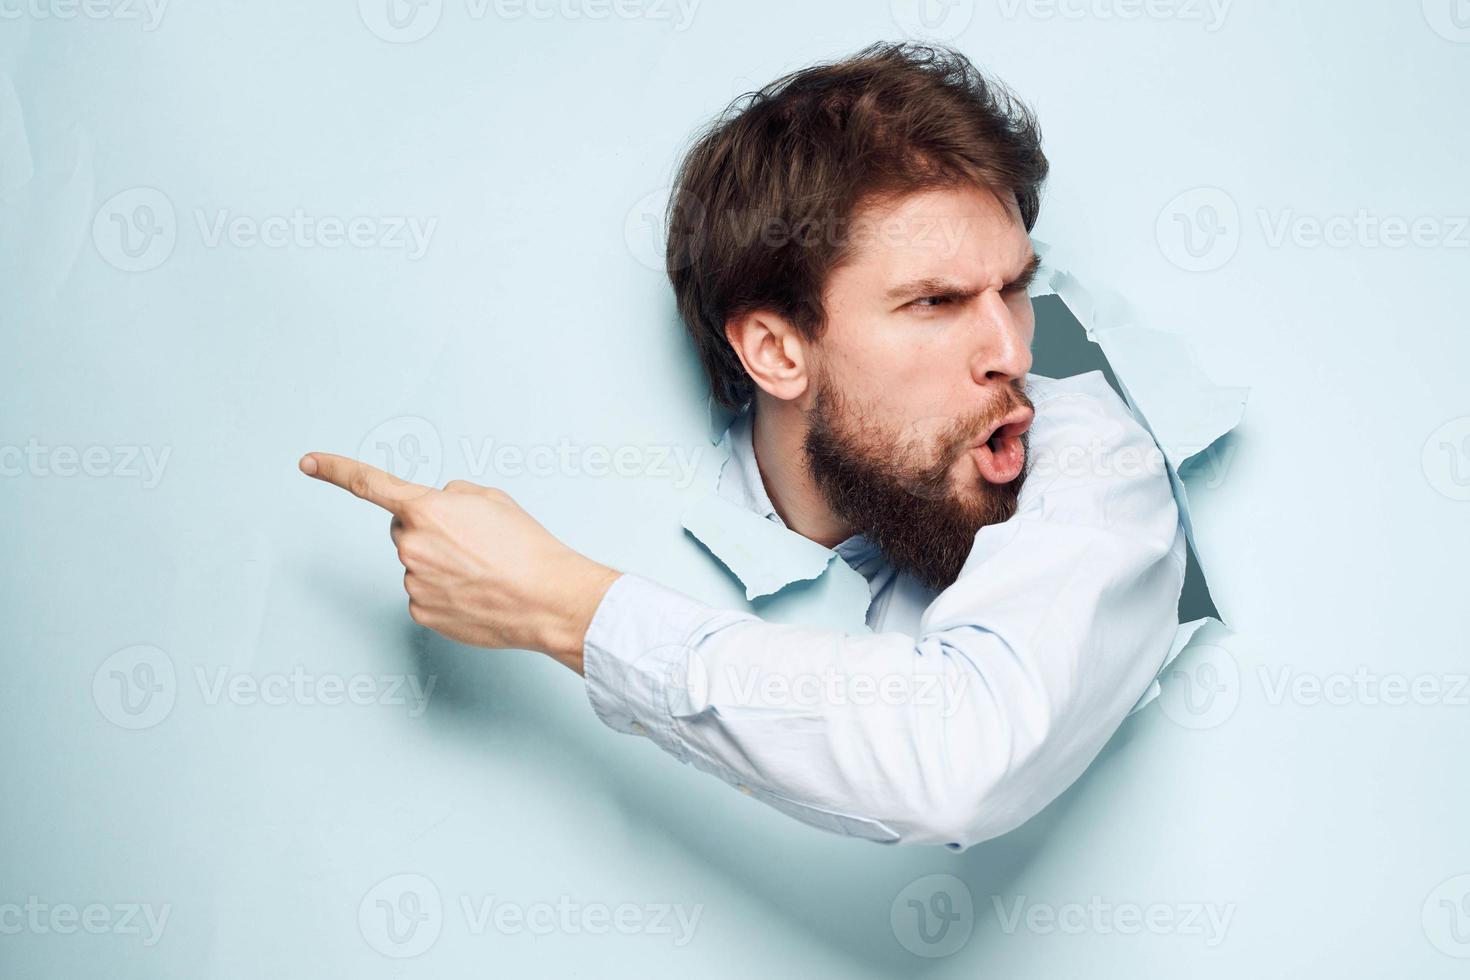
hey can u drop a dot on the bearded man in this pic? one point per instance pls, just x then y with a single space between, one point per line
850 251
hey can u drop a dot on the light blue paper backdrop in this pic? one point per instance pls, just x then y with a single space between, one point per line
232 232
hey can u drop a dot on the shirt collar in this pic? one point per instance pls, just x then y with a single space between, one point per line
740 483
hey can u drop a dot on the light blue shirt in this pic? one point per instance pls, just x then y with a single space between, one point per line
965 711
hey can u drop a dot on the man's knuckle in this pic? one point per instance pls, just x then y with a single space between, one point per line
414 508
360 484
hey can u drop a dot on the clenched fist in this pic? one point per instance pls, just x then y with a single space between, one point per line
478 568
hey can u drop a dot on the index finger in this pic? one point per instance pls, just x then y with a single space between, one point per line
368 482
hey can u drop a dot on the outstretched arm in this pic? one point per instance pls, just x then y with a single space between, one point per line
477 567
1023 669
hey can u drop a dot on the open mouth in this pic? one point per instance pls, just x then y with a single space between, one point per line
1001 455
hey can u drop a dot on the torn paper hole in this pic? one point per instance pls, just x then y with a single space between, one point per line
46 187
1078 330
1172 397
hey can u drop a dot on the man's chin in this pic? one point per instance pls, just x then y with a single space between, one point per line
923 520
973 490
935 544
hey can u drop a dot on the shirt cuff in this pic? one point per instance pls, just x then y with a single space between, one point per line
635 659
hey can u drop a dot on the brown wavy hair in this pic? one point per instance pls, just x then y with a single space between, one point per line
761 206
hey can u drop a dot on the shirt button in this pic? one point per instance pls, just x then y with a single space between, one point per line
637 727
744 789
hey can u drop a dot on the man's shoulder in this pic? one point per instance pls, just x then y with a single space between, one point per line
1085 438
1090 387
1085 401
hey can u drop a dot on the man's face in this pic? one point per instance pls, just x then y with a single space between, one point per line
916 432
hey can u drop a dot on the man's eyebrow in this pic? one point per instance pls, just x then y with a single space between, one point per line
1028 274
939 286
930 287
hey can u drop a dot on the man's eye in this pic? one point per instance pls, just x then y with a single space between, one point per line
932 301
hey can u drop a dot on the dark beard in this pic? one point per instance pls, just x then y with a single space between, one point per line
907 509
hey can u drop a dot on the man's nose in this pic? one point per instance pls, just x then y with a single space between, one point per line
1003 351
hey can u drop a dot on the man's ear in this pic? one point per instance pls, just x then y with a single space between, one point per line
774 354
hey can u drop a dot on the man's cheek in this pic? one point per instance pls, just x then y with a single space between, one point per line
929 439
919 443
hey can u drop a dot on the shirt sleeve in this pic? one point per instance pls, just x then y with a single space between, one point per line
1022 670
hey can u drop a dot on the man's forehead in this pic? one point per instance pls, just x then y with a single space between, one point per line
996 204
955 231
